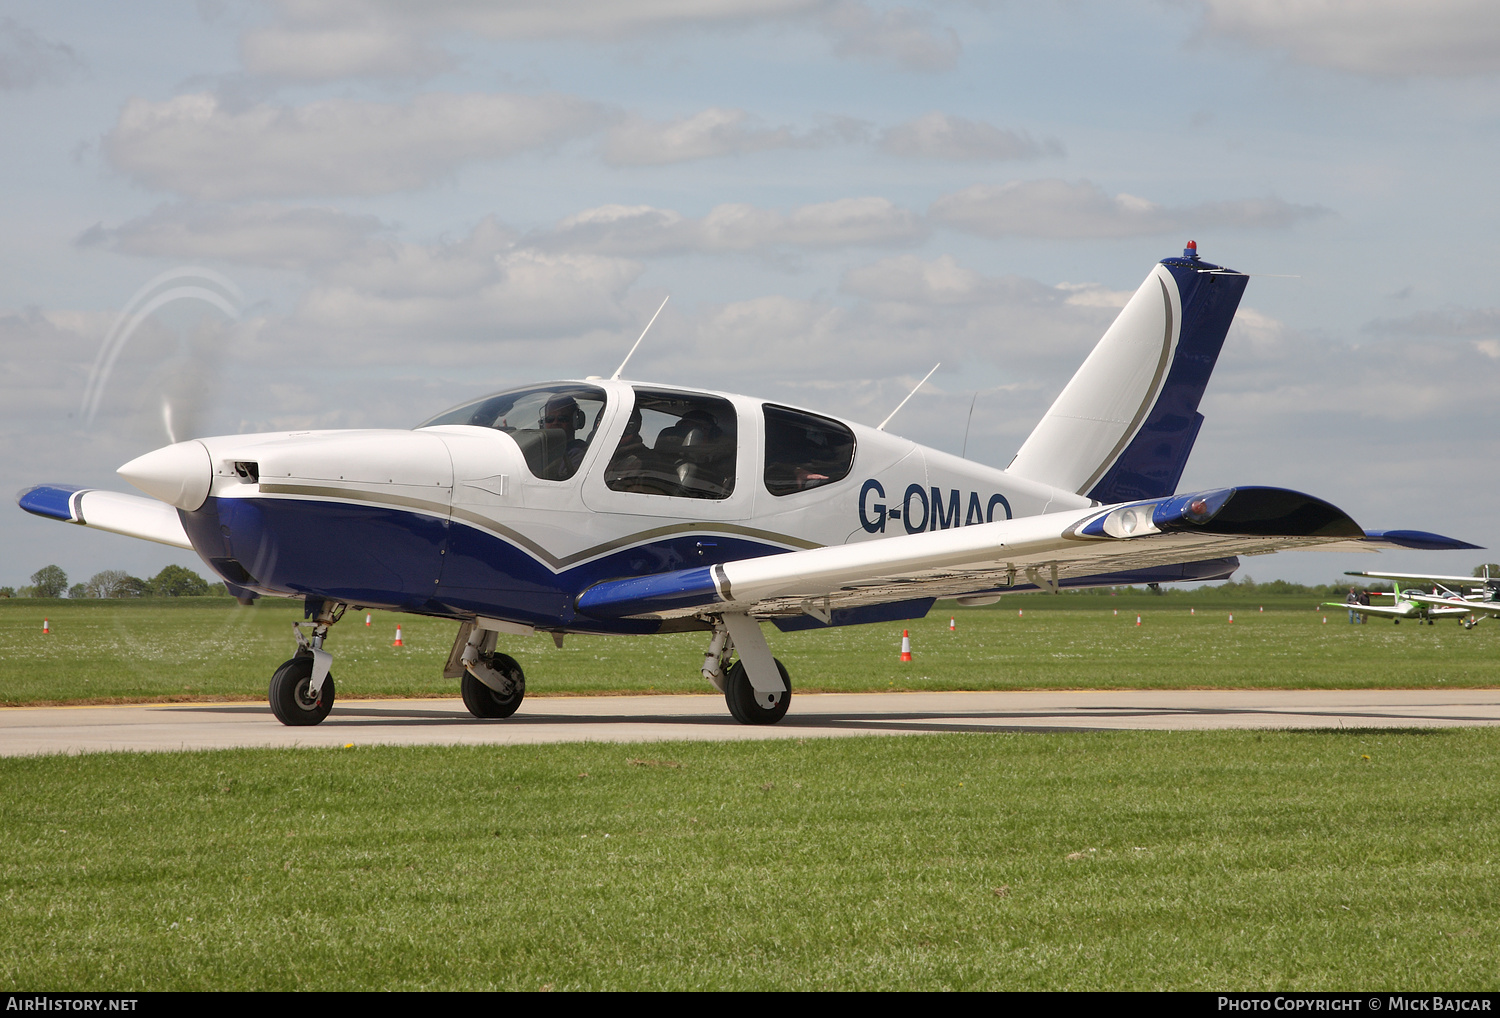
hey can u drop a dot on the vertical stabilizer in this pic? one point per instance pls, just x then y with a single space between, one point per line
1124 425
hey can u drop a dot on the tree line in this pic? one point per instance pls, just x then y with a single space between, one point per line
1246 586
173 581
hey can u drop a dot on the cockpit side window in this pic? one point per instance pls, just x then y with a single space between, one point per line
680 444
552 424
804 450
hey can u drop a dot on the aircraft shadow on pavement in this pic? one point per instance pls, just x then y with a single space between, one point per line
389 716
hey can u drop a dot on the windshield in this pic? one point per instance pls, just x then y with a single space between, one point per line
553 424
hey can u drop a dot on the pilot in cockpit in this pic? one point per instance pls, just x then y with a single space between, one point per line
563 413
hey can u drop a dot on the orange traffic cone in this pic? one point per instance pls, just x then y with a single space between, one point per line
367 618
1137 620
1325 620
398 642
46 627
905 645
1020 612
1192 611
1231 618
1117 611
952 623
1262 609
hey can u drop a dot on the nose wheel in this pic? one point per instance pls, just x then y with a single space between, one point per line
294 700
302 689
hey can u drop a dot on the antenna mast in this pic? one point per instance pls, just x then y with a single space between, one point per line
909 395
616 376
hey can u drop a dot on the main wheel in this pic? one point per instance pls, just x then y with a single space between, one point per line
484 702
750 707
292 699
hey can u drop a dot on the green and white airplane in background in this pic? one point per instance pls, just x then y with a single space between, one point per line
1446 601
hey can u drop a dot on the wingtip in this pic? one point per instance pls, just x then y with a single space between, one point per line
1420 540
52 501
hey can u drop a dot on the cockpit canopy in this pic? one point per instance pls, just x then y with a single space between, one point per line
674 443
553 424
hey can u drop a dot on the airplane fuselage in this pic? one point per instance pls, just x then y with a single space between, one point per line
461 520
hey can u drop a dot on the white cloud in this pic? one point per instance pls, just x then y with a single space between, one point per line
1377 37
533 19
322 39
715 131
940 136
902 36
441 299
329 39
1455 322
276 236
27 59
642 230
1060 209
197 146
941 281
316 52
526 295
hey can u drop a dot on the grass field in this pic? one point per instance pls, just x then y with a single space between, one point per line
188 648
1223 860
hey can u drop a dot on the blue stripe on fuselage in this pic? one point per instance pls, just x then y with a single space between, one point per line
380 557
383 557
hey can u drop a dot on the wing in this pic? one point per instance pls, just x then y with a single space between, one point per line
1456 581
118 513
1044 551
1400 611
1455 606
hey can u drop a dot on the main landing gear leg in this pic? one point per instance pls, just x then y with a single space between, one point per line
492 684
302 689
757 687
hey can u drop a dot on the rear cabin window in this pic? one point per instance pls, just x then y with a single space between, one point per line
804 451
679 444
552 424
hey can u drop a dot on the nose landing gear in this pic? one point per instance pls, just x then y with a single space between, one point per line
301 690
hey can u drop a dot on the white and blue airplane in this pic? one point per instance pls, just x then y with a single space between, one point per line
606 506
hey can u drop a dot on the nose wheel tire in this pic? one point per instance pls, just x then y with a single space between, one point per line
484 702
750 707
291 695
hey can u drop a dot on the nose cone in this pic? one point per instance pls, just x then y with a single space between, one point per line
178 474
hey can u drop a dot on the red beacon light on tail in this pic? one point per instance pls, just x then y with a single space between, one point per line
1191 251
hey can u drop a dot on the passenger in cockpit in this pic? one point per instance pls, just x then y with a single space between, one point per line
630 457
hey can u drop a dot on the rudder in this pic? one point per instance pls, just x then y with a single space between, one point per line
1125 423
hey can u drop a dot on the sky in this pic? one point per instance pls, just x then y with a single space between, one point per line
250 215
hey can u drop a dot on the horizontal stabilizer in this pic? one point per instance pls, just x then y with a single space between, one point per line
118 513
1038 551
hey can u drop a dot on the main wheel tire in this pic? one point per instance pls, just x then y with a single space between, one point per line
484 702
291 693
750 707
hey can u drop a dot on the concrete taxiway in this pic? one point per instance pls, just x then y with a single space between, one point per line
162 727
